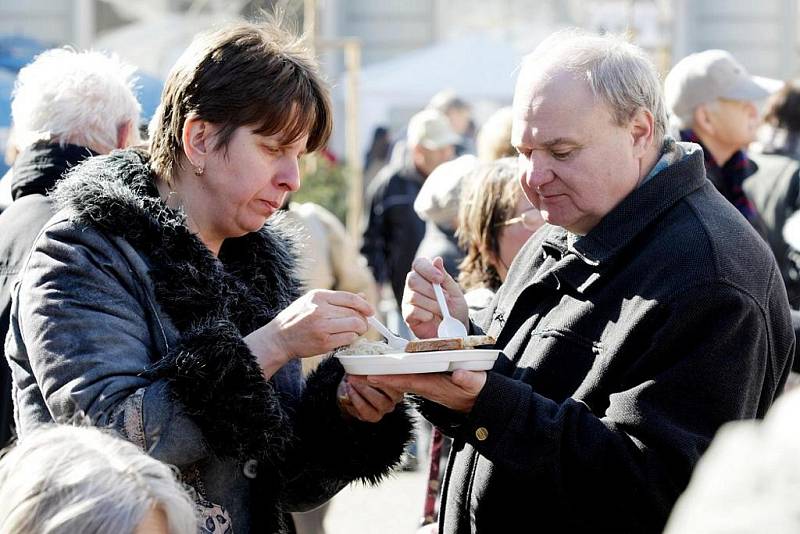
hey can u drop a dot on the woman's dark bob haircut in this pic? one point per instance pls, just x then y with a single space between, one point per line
244 74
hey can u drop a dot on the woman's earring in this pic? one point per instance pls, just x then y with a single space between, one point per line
198 171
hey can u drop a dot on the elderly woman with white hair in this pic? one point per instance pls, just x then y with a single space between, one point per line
67 106
80 479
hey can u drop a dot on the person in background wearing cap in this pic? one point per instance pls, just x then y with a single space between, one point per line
712 100
644 315
393 230
459 113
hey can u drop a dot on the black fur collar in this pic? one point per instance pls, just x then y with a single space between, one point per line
213 302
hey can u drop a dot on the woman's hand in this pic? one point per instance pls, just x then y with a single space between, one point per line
316 323
420 309
364 402
457 390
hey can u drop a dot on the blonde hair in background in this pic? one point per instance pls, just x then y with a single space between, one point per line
79 98
494 137
81 479
489 201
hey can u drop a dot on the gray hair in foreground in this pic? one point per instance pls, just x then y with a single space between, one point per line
617 71
82 479
81 98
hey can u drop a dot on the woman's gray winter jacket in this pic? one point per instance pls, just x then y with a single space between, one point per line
123 316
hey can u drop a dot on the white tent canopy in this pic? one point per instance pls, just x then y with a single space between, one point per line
480 69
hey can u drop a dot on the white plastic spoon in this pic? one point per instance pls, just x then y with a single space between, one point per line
449 327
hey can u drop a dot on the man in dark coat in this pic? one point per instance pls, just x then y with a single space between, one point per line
643 316
393 230
67 106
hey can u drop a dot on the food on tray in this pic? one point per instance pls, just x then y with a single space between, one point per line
364 347
448 343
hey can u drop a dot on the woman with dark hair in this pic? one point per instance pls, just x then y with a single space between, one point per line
159 302
782 115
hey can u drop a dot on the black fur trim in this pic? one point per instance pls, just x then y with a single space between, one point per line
220 385
350 448
212 301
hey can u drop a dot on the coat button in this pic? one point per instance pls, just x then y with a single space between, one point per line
481 433
250 468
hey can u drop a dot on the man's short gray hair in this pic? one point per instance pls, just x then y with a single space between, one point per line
80 98
617 71
81 479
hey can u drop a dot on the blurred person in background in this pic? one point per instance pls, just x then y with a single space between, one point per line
774 187
495 221
494 137
437 204
642 317
380 150
161 302
63 478
459 114
712 100
782 118
67 106
393 230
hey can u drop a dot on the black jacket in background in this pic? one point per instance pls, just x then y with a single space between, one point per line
393 229
774 188
622 356
36 171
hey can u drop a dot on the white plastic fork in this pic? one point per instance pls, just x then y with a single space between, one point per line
394 341
449 327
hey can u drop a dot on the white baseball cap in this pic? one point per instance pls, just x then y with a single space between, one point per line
431 129
709 75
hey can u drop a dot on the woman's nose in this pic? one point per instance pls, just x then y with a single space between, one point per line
289 174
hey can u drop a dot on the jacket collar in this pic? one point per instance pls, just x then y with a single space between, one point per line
41 165
581 263
637 211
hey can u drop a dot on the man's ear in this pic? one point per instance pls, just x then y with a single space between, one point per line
196 137
124 136
642 129
703 122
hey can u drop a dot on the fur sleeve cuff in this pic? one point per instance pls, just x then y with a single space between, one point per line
351 449
213 374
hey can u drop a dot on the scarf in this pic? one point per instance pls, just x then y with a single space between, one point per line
728 178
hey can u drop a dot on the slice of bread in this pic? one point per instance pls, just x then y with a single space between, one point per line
448 343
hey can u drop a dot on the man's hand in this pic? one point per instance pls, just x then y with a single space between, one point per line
420 309
457 391
366 402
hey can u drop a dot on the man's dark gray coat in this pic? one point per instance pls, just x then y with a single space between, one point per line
624 352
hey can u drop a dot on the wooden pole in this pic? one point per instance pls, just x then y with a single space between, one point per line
352 57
